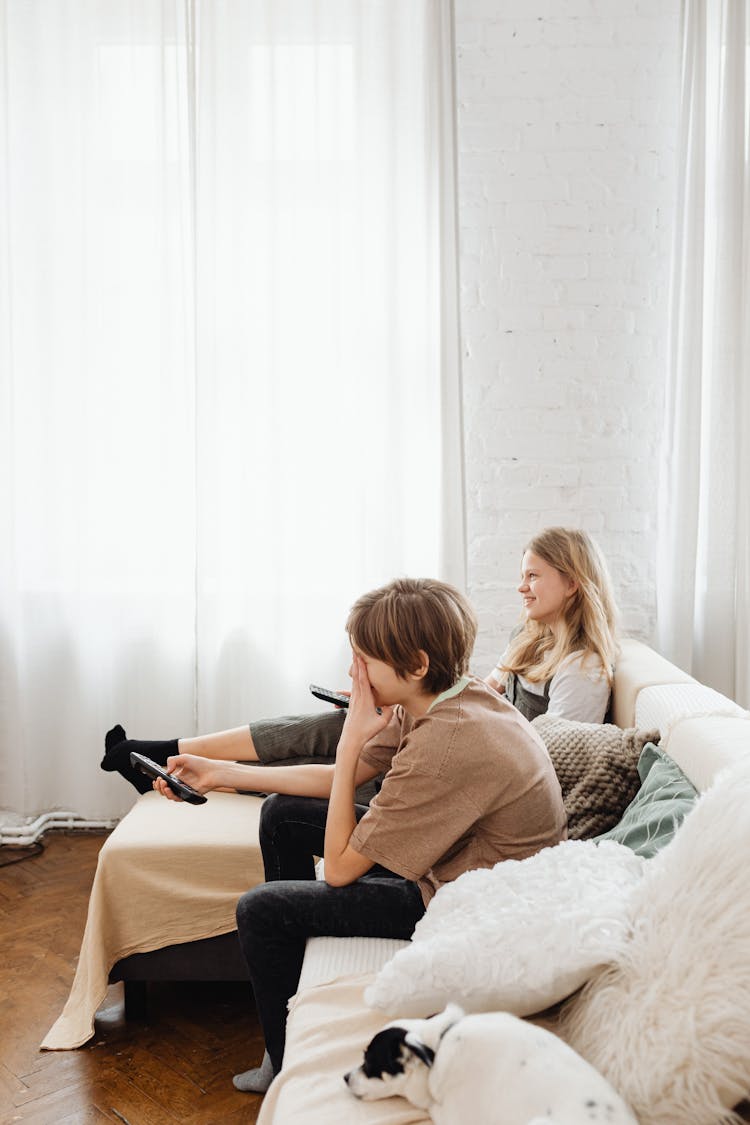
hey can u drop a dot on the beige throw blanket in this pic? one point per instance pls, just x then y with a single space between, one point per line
169 873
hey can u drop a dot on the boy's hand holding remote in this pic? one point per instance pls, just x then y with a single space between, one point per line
194 771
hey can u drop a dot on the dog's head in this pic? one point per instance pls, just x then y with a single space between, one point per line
398 1059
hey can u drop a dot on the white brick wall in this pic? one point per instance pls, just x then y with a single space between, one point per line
567 122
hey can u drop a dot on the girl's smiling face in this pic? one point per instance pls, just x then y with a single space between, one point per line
544 589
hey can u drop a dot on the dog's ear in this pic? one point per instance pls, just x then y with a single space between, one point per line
383 1055
435 1027
420 1049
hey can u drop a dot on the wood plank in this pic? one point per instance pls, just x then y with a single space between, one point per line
10 1086
88 1115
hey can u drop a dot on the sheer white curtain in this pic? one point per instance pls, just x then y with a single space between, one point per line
229 381
704 571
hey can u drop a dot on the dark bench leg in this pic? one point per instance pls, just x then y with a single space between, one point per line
136 1000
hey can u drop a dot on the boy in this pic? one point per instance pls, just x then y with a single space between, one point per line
468 783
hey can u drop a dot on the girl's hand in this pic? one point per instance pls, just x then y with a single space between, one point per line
362 719
190 768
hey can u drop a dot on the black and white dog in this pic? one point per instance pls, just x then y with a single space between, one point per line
488 1068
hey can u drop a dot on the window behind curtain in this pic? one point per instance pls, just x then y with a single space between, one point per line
228 313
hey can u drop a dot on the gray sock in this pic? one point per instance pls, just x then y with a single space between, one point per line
255 1081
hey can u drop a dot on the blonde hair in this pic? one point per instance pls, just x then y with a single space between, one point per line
588 620
409 615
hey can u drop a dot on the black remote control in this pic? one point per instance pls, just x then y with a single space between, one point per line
328 696
151 769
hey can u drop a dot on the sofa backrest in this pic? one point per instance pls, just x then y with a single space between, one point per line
702 730
638 667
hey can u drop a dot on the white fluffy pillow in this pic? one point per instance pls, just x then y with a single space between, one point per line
518 937
669 1023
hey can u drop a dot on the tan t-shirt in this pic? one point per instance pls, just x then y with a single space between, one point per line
468 784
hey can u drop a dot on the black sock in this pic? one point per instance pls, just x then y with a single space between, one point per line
113 737
118 748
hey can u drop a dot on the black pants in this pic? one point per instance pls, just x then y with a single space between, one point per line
276 918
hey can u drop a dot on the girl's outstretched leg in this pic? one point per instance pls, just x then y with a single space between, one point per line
286 741
228 745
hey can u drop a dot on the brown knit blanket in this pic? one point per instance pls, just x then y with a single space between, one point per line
597 766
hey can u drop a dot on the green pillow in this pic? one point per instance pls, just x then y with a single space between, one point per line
658 808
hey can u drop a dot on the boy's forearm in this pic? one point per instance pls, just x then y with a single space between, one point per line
341 820
297 781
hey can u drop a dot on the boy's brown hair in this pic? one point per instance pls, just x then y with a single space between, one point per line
395 622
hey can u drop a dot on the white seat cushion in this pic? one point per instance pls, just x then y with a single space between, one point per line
327 958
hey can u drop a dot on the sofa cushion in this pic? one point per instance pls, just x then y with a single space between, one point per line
517 937
663 801
597 767
328 958
668 1023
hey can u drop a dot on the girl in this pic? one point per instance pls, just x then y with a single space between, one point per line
560 659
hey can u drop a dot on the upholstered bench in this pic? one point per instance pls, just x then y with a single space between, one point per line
163 902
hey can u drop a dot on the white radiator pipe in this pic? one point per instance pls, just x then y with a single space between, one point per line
24 835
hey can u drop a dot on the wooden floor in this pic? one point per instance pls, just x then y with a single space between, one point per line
176 1067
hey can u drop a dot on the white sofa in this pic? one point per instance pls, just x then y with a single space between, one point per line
171 855
329 1025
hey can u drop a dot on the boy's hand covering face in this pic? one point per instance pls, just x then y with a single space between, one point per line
362 718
